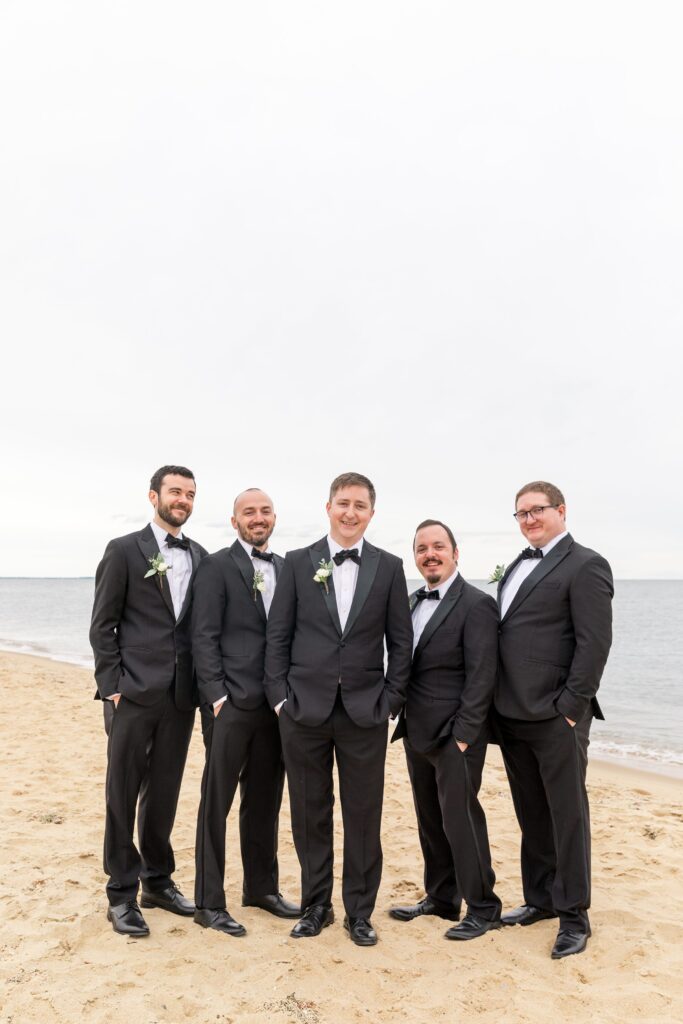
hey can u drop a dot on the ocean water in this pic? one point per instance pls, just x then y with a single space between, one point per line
641 692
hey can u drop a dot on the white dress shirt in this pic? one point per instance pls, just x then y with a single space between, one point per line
179 564
345 577
423 610
268 570
523 569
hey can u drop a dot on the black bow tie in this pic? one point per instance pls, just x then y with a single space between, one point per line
427 595
351 553
532 553
177 542
265 556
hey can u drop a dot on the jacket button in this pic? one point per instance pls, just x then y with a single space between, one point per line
342 644
500 632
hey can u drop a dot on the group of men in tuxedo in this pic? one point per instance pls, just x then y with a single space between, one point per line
286 659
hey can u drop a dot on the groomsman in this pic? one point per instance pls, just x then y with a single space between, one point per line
233 591
444 730
140 635
336 603
555 635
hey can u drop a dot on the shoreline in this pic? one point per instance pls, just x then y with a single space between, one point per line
632 765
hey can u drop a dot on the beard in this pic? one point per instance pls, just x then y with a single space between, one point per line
172 516
258 535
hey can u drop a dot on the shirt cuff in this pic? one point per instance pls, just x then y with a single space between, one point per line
217 703
277 707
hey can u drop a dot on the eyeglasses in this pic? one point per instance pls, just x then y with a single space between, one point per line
535 513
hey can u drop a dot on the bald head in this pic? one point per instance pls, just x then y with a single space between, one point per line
253 516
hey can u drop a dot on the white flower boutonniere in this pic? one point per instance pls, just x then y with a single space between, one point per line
497 574
158 568
323 574
259 584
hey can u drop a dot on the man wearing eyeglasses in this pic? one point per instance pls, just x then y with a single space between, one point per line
555 633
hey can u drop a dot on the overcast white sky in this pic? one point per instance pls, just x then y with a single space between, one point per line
437 243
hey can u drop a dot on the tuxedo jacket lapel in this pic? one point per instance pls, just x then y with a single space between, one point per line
445 605
505 577
196 558
246 568
547 564
147 543
318 553
367 570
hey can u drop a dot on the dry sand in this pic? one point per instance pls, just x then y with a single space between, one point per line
61 961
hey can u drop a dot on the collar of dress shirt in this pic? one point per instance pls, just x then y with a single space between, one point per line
551 543
443 587
160 534
248 547
334 547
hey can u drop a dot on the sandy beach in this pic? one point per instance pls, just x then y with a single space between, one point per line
61 961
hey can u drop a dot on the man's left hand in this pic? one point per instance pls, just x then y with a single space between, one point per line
462 747
570 721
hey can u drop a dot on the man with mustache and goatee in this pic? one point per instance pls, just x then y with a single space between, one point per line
140 636
444 730
232 596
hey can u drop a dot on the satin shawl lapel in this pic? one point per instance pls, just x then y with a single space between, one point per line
446 604
246 568
318 552
196 559
369 563
278 562
505 578
147 543
548 563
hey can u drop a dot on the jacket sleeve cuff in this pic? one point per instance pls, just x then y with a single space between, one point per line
571 706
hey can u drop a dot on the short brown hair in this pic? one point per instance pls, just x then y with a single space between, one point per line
158 477
552 493
352 480
435 522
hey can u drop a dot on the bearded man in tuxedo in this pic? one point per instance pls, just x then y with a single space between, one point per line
445 732
140 636
233 591
336 602
555 633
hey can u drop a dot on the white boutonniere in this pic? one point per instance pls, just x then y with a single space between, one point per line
323 574
497 574
259 584
158 567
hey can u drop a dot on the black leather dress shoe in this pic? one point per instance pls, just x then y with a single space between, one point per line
568 942
275 904
361 931
471 927
126 919
425 908
527 915
220 921
314 919
168 899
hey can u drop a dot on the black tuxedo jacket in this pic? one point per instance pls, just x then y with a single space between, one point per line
140 649
453 673
229 628
555 636
308 656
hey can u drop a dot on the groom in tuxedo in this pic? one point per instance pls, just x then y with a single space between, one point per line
140 636
233 592
445 731
554 637
336 603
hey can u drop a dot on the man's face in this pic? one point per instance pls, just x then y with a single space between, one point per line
540 529
349 513
173 504
254 518
435 556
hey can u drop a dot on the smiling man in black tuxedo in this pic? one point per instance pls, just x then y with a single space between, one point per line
233 591
554 637
335 603
140 636
445 732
